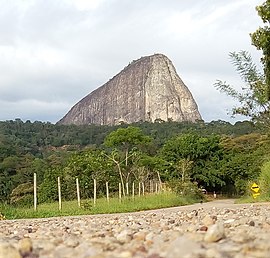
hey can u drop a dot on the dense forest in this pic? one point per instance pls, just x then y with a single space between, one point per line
217 156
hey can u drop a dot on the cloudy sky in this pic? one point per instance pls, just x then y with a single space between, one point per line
55 52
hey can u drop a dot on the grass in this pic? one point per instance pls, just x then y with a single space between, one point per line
70 208
250 199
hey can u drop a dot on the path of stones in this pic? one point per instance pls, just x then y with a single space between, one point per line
218 229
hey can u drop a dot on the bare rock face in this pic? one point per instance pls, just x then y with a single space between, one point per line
148 89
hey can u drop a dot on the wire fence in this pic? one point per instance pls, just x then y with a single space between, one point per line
128 190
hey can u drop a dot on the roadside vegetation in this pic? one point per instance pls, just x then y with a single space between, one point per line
70 208
185 163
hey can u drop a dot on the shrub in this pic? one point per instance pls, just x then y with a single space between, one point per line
264 180
22 195
186 189
241 186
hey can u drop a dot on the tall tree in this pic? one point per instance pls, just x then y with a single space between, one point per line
261 39
252 98
126 138
87 165
123 140
194 157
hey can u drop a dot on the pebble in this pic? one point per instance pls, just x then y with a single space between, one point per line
251 223
208 220
215 233
25 246
240 231
9 251
182 246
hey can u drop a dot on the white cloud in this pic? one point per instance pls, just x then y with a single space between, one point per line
86 5
32 109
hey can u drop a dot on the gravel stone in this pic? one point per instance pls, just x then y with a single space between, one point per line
215 233
209 230
25 246
9 251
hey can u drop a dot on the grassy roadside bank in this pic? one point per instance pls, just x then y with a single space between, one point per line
70 208
250 199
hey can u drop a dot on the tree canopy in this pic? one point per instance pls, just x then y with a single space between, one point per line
252 99
105 153
261 39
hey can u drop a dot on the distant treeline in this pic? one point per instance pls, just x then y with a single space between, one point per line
31 137
218 155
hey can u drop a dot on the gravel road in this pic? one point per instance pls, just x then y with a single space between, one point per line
218 229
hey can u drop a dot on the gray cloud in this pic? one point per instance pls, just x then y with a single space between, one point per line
54 52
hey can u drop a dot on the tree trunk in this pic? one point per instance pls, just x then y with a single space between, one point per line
121 177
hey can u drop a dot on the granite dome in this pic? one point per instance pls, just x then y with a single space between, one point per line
148 89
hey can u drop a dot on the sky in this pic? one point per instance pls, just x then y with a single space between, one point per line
55 52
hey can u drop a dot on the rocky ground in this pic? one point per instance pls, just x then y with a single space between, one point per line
218 229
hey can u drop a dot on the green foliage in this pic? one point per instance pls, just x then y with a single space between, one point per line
252 98
79 151
261 39
48 190
88 165
126 155
201 154
70 208
186 188
190 146
264 180
22 195
242 160
126 138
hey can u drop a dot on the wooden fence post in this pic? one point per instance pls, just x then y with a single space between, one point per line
35 191
159 188
78 192
95 192
139 189
133 190
107 191
59 193
142 188
127 188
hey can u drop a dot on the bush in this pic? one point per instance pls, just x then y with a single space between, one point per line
186 189
264 180
26 201
242 186
22 195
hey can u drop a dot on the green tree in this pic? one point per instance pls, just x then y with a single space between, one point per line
243 157
87 165
48 191
127 138
261 39
193 157
264 180
124 140
22 195
252 98
255 94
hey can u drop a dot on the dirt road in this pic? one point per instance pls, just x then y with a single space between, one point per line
218 229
